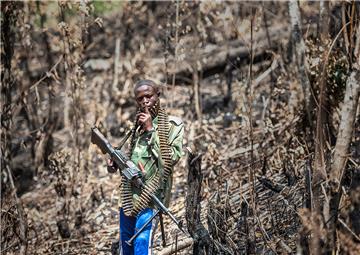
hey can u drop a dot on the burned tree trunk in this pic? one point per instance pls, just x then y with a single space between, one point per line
299 52
193 207
354 214
17 236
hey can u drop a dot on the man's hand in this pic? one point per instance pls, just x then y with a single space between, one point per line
111 166
145 120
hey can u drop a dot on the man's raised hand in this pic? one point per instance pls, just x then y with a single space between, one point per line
145 120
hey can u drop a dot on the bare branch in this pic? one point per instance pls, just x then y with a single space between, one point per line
348 113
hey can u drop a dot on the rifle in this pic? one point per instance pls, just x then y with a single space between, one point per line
133 174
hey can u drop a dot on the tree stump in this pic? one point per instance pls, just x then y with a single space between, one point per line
196 229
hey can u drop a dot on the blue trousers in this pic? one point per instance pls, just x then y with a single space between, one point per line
129 226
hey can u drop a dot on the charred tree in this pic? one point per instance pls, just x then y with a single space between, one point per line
9 198
299 53
196 229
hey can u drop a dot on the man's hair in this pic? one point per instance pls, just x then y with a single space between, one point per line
148 83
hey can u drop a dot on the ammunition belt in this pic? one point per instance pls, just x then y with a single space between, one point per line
126 192
145 197
165 149
126 196
153 184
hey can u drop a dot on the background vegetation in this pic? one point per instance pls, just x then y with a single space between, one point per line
268 92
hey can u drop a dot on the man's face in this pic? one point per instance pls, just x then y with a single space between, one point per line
146 96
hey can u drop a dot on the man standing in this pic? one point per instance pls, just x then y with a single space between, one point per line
155 147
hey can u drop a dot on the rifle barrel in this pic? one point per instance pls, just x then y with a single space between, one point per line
166 211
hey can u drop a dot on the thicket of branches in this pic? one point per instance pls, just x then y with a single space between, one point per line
269 94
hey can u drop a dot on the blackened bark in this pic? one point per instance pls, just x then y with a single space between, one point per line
354 214
270 184
193 207
304 235
8 23
308 185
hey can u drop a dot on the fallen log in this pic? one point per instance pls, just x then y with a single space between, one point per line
175 248
214 58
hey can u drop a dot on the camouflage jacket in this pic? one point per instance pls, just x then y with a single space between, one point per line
147 152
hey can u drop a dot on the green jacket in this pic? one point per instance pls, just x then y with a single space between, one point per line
147 151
